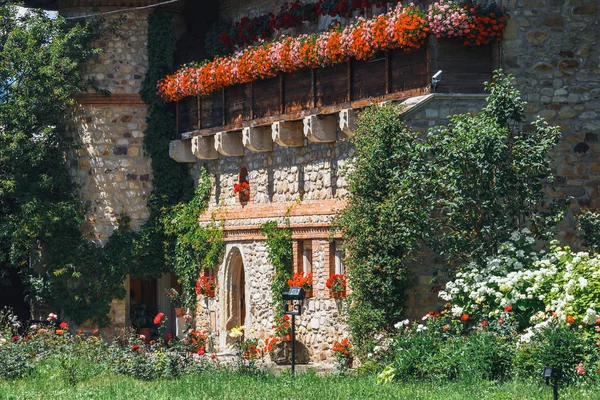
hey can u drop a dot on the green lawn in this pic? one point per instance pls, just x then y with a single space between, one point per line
48 383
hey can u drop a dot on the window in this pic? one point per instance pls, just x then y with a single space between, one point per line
307 256
339 267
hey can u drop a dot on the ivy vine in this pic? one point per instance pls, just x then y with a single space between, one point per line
196 247
281 256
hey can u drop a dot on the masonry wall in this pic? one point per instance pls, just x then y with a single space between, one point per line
110 166
552 48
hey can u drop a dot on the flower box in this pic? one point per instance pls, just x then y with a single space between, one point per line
337 295
179 312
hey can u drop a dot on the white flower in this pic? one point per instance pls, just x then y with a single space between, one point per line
582 282
456 311
400 324
421 328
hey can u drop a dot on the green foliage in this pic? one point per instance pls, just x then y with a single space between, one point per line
559 346
589 226
281 256
40 232
196 247
460 191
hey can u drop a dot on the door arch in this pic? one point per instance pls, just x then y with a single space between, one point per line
234 298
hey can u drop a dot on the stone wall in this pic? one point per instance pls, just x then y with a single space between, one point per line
552 48
319 326
110 166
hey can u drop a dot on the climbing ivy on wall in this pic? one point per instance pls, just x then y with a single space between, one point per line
196 247
281 256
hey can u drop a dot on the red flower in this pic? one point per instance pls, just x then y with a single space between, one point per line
484 323
508 308
598 321
135 347
431 313
570 320
213 356
464 317
169 337
15 338
95 332
63 325
446 328
286 317
79 331
201 351
158 318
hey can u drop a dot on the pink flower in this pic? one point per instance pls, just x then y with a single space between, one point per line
52 317
34 327
580 370
169 337
142 337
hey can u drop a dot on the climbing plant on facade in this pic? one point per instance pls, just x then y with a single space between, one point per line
196 247
281 256
459 191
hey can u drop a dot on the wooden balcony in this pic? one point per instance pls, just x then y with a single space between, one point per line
393 75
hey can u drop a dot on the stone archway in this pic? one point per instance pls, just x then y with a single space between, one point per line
233 296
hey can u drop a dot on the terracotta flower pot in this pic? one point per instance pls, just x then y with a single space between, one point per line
179 312
147 332
244 198
337 295
286 338
309 293
209 293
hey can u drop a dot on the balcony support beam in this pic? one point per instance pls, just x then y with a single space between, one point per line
181 151
287 133
257 138
229 143
203 147
320 129
348 121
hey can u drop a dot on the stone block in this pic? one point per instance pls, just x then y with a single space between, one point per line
287 133
320 129
257 138
537 37
181 151
203 147
229 143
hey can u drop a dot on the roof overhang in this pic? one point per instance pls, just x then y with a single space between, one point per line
51 5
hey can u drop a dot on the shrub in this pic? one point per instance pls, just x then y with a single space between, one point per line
529 283
562 346
449 348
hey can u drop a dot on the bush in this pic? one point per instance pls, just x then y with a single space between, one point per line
529 283
15 363
561 346
445 348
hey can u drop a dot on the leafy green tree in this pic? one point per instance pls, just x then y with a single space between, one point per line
41 62
460 191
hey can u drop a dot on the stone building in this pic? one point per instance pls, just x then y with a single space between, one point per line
293 148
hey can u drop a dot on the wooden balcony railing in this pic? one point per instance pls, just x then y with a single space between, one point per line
392 75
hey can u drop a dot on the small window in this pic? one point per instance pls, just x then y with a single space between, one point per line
338 267
307 257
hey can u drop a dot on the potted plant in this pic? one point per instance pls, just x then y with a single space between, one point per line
142 320
337 286
302 280
283 328
177 300
206 286
242 189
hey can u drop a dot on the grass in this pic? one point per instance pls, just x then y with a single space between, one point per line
47 382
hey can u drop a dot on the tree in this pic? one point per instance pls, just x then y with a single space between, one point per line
40 70
460 191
